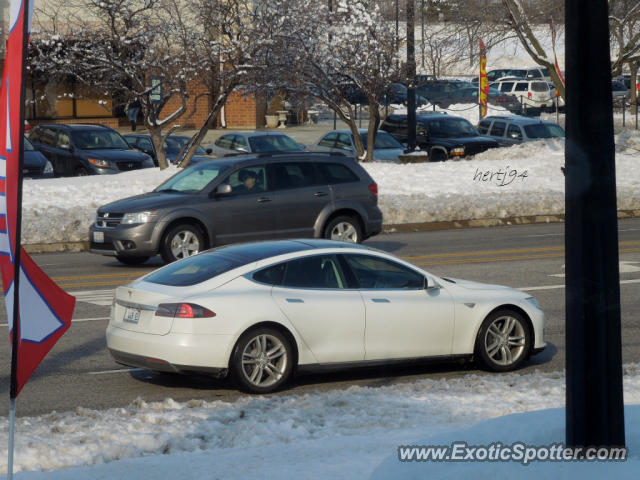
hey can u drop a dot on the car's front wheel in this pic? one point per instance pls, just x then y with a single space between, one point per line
262 360
504 341
181 241
343 228
131 260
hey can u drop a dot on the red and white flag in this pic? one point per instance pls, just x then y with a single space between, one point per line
45 310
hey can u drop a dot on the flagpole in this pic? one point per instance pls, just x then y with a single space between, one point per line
18 234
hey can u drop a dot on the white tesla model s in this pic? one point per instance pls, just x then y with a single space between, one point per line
258 311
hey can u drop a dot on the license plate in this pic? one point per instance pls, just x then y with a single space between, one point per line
98 237
131 315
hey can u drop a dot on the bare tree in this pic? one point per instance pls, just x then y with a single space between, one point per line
117 46
333 54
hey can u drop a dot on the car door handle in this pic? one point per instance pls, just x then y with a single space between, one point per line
321 194
295 300
380 300
264 200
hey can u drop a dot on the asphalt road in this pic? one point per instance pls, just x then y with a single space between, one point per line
79 371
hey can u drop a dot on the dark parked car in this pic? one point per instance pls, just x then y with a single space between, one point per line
35 164
442 136
470 95
239 199
510 130
86 149
397 94
172 146
435 89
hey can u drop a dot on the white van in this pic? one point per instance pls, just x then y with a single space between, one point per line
531 93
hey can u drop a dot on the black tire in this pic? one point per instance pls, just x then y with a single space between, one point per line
261 371
437 155
81 172
131 260
181 241
504 341
344 228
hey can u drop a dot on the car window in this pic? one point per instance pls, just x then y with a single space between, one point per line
63 141
506 86
192 179
514 132
483 126
293 175
248 180
224 141
383 140
329 140
343 142
146 144
28 146
332 173
543 131
539 86
240 143
375 272
98 139
452 128
497 129
270 275
319 271
273 143
45 136
522 87
174 144
534 73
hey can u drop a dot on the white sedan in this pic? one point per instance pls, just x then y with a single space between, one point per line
258 311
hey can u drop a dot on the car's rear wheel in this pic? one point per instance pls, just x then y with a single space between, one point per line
262 360
343 228
504 341
181 241
131 260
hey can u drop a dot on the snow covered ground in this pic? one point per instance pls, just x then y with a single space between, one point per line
338 434
61 210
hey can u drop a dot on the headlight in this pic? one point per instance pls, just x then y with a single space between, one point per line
48 168
138 217
98 162
533 302
457 151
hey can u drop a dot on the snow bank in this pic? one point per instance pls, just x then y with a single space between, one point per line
505 182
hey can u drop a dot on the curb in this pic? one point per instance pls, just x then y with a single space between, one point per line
390 228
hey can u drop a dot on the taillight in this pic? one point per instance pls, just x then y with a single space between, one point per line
529 94
183 310
373 188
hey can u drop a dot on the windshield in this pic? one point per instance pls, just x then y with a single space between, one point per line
544 131
452 128
192 179
173 145
273 143
27 145
383 140
98 140
517 73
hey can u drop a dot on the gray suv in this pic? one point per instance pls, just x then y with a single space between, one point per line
235 199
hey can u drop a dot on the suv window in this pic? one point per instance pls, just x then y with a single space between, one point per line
539 86
45 136
293 175
248 180
320 271
534 73
63 141
522 86
514 132
95 139
483 126
497 129
506 86
373 272
336 173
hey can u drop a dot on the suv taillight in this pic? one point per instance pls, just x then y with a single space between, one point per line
183 310
529 94
373 188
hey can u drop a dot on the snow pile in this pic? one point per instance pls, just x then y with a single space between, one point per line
505 182
349 431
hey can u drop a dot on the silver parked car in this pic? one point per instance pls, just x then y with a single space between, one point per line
510 130
234 143
239 199
385 149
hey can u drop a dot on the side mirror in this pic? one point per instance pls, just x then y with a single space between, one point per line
430 284
223 189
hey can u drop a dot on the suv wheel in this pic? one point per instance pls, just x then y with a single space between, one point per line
181 241
344 228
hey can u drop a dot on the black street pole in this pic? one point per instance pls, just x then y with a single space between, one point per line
411 77
397 34
594 401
